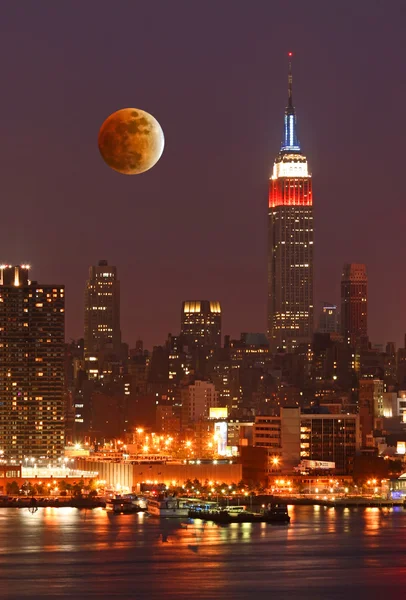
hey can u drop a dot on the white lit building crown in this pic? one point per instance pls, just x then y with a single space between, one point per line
290 168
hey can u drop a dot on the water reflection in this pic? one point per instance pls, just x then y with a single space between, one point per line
114 555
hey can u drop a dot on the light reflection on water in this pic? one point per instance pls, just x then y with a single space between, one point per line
324 552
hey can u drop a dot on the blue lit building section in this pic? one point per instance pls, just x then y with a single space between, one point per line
290 142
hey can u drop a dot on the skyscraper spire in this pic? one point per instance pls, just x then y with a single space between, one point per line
290 239
290 142
290 104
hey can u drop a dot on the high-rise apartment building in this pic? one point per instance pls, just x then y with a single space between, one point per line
197 399
201 323
32 348
102 317
354 304
290 241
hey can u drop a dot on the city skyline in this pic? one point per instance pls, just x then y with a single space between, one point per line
146 227
201 332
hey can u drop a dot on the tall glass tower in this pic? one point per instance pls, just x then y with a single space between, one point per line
290 241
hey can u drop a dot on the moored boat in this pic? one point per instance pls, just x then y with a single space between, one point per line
168 507
277 513
121 505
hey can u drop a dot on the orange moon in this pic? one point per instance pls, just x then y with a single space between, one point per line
131 141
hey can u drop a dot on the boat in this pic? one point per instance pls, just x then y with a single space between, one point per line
138 501
168 507
211 511
121 505
277 513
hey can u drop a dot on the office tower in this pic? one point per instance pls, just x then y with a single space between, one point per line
329 319
102 318
297 435
201 323
32 348
331 438
290 241
354 304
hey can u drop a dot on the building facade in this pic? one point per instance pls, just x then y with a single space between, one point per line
201 323
332 438
290 241
354 304
329 319
32 352
102 318
197 399
370 404
296 436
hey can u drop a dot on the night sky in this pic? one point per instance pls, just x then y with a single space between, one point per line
214 74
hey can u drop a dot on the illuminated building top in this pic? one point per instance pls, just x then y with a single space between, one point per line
290 183
15 276
201 323
196 306
290 165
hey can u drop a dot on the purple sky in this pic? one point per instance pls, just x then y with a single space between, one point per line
214 74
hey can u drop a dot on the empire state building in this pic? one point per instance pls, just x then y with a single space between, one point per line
290 241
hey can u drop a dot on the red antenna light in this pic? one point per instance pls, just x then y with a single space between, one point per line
290 53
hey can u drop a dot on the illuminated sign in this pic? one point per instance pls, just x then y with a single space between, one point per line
220 436
218 412
401 448
318 464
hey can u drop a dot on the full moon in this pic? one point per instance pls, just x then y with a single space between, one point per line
131 141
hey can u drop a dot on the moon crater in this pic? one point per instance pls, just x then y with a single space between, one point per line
131 141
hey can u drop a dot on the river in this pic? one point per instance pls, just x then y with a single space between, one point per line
324 553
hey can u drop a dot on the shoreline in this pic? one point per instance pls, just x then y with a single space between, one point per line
255 505
354 502
43 503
